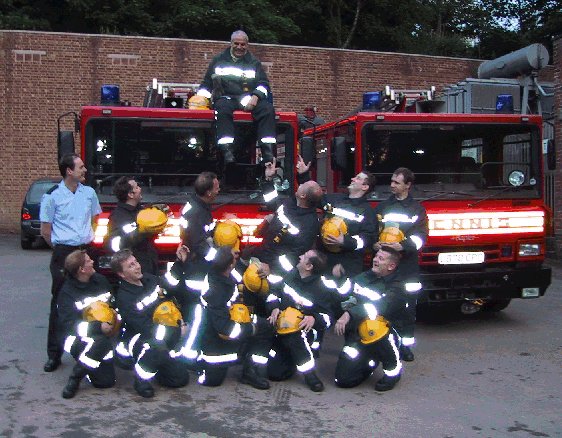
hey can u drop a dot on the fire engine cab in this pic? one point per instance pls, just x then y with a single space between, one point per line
164 145
477 155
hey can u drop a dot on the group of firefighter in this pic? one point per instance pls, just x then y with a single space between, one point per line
266 307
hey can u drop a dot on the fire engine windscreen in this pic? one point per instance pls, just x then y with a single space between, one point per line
165 156
452 160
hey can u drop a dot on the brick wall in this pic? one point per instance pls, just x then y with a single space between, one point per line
557 78
47 74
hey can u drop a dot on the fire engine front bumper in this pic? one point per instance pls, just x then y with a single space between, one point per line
489 284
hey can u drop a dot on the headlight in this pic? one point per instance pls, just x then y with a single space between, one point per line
516 178
529 249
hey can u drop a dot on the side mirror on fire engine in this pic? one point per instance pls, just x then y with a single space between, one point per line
338 154
551 155
307 150
65 143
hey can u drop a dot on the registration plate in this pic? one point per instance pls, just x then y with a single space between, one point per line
460 258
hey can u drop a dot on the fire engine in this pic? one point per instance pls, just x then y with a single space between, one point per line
477 155
164 146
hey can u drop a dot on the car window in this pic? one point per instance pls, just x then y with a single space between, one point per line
37 190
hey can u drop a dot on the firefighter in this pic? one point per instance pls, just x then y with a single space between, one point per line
87 322
288 232
403 226
236 80
153 325
197 221
125 232
378 299
229 332
300 310
350 224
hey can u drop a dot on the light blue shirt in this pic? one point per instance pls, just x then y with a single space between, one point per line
70 214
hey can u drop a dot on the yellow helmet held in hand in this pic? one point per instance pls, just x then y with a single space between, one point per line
198 102
252 281
102 312
289 320
391 234
240 313
333 226
167 313
371 330
151 220
228 233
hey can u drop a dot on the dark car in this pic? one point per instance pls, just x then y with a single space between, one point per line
30 223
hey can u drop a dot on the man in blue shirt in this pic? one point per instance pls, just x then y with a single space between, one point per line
67 213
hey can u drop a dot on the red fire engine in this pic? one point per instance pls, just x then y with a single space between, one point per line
479 176
165 146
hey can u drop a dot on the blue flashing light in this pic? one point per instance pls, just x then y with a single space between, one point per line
371 100
110 95
504 103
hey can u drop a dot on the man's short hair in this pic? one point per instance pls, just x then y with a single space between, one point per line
67 162
406 173
74 261
204 182
118 259
122 188
370 180
395 255
223 259
239 33
318 262
313 195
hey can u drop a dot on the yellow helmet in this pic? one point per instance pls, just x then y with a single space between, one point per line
198 102
228 233
100 311
252 281
151 220
240 313
167 313
333 226
391 234
371 330
289 320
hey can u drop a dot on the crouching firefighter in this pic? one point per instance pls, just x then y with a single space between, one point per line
378 296
229 332
153 325
88 323
300 310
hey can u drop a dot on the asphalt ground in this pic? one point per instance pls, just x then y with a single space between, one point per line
483 375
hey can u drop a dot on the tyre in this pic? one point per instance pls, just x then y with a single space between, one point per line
496 305
26 242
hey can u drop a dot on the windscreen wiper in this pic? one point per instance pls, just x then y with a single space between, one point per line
439 193
503 190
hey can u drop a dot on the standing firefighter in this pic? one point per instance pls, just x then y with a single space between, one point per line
403 227
236 80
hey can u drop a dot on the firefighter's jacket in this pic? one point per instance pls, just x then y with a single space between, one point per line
373 295
136 305
234 77
312 295
74 297
123 233
291 233
410 217
187 280
197 226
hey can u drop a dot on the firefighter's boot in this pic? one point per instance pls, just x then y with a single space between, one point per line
266 152
143 388
71 388
387 383
406 354
227 154
254 375
313 382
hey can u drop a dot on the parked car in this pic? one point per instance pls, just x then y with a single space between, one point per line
30 223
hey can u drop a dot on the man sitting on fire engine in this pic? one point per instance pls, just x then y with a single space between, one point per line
236 80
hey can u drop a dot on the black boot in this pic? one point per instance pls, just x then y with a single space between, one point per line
313 382
71 388
143 388
387 383
266 152
406 354
227 154
251 376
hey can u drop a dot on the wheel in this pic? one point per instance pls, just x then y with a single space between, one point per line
496 305
26 242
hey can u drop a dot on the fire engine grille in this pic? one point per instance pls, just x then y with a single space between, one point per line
491 252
